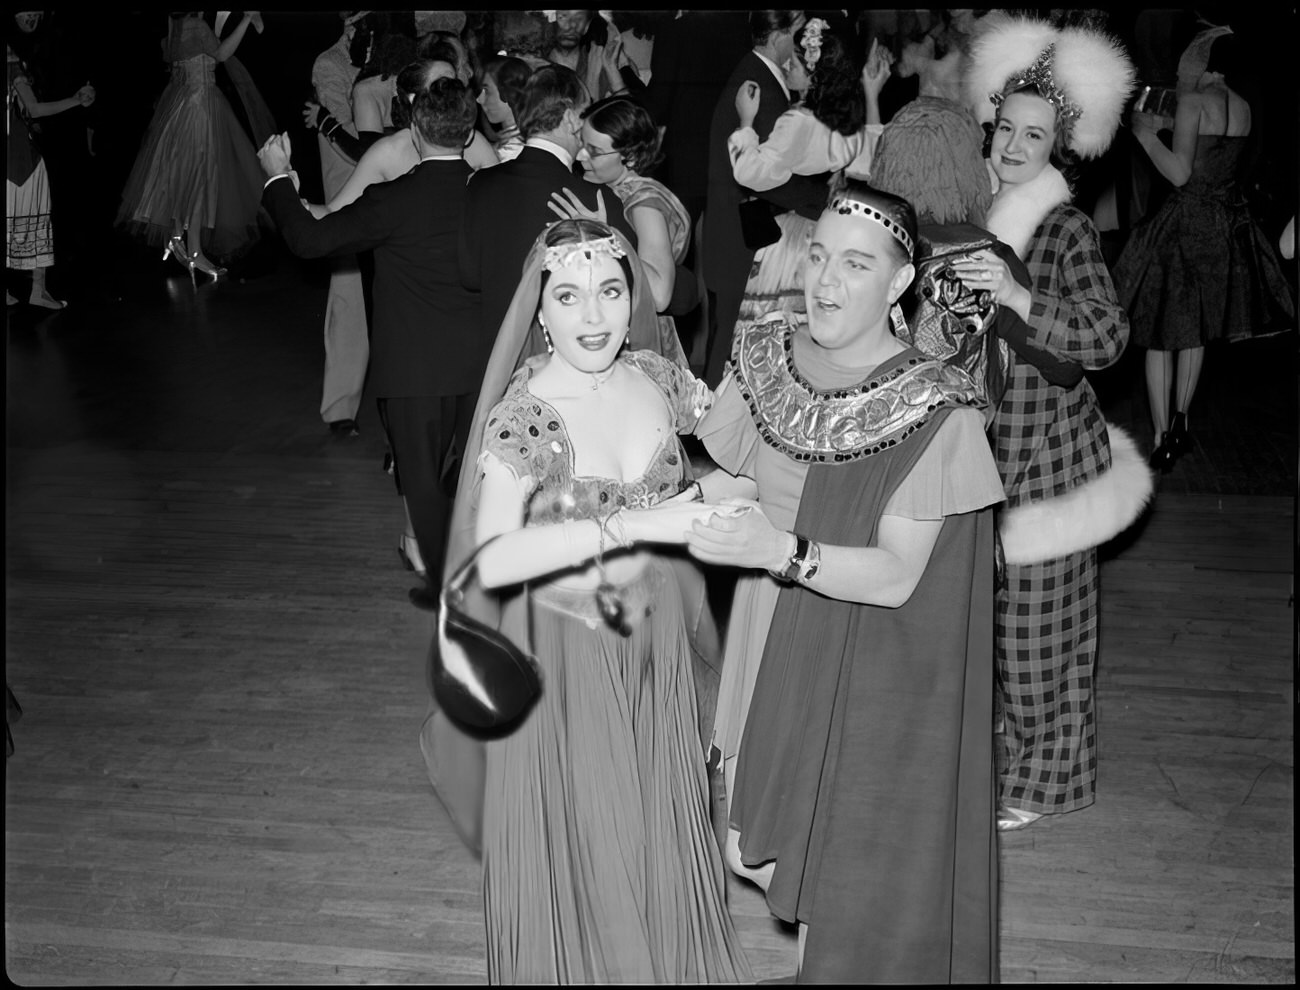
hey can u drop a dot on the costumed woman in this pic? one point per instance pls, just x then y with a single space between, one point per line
1200 270
599 862
863 793
196 186
1072 481
620 142
834 128
29 235
931 154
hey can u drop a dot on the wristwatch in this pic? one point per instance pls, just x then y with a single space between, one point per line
803 563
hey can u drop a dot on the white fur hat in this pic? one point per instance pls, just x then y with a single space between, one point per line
1085 74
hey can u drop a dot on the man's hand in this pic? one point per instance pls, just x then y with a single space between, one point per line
275 155
747 100
741 538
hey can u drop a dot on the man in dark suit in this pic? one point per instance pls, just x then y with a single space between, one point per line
726 257
427 353
507 205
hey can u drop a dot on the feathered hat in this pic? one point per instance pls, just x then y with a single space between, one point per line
1083 73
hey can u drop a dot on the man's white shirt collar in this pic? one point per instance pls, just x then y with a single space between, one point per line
776 71
559 152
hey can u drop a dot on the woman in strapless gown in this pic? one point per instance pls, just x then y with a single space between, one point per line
1200 270
196 187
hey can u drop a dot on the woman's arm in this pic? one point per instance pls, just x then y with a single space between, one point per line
33 107
1175 165
654 248
522 553
885 574
232 40
1071 310
766 165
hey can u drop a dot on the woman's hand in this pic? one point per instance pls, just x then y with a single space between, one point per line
876 72
670 521
567 206
86 95
309 111
1144 123
747 101
254 17
743 537
984 271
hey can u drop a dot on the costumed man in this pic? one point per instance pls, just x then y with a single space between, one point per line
863 794
347 344
1072 480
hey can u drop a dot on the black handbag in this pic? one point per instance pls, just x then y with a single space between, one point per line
484 683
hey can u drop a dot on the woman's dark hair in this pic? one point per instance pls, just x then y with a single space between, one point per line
835 94
444 113
413 80
510 75
575 232
763 22
394 47
896 208
449 41
631 129
550 92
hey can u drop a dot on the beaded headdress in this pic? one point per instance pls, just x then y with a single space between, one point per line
564 255
847 206
812 42
1084 74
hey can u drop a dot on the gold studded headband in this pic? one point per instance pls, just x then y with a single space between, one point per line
846 206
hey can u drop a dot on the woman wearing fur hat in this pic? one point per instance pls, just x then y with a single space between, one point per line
1072 482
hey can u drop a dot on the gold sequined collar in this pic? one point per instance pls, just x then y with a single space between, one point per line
837 425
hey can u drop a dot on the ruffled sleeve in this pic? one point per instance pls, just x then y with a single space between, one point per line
956 473
799 144
728 431
687 396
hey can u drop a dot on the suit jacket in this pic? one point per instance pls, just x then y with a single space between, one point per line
505 210
726 259
688 68
425 337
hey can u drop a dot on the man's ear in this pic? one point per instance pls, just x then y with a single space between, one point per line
901 280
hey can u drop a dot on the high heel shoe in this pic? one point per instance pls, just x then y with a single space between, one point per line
1163 457
409 550
1179 440
198 263
176 249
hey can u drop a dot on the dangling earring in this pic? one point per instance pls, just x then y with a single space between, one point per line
899 324
546 335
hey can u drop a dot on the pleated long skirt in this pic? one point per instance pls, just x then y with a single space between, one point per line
599 862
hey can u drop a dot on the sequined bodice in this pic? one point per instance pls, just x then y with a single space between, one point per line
529 435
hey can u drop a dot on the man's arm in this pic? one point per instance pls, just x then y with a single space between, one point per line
357 227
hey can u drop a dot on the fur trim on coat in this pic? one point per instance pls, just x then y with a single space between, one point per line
1084 517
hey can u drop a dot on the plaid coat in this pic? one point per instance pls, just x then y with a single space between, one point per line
1047 439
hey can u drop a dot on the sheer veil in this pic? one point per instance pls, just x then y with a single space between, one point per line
456 762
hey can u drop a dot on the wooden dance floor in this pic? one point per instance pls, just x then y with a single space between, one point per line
216 776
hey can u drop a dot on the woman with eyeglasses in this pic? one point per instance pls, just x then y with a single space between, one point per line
620 142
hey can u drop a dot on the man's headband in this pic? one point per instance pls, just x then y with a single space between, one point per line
846 206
